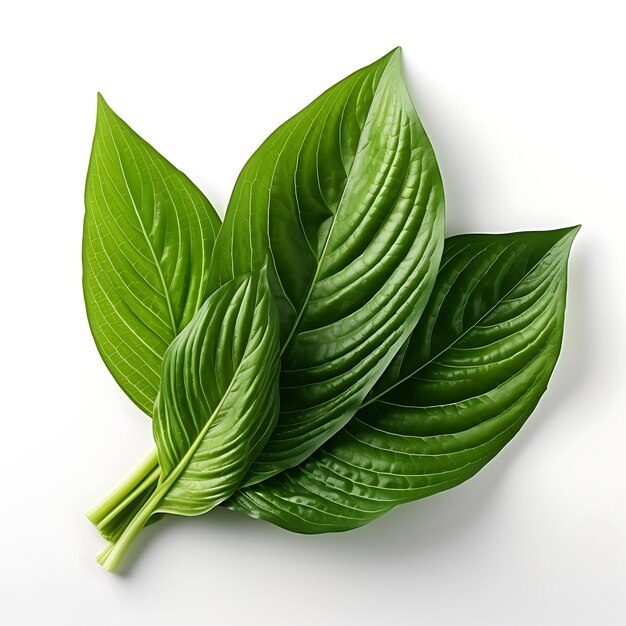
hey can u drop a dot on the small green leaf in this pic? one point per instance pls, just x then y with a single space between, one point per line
217 406
347 200
461 387
219 396
147 243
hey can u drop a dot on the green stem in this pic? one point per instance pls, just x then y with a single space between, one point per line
124 491
150 480
111 556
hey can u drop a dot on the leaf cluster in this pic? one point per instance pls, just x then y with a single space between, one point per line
323 355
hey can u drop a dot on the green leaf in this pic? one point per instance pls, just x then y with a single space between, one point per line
347 200
219 397
217 406
461 387
147 243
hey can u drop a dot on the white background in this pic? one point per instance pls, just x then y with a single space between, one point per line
525 104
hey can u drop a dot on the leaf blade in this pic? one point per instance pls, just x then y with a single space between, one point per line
439 414
147 240
346 199
219 396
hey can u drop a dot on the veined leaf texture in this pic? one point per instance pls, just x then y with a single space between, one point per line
464 383
347 200
147 244
322 356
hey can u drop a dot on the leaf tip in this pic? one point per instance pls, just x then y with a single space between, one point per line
567 235
103 107
393 56
102 103
571 231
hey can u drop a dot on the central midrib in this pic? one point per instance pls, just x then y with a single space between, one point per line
175 474
331 229
145 234
457 339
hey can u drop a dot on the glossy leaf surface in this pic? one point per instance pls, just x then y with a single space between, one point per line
219 397
148 237
462 386
347 199
218 403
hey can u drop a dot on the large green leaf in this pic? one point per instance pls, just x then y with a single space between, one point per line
347 199
147 243
461 387
218 403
